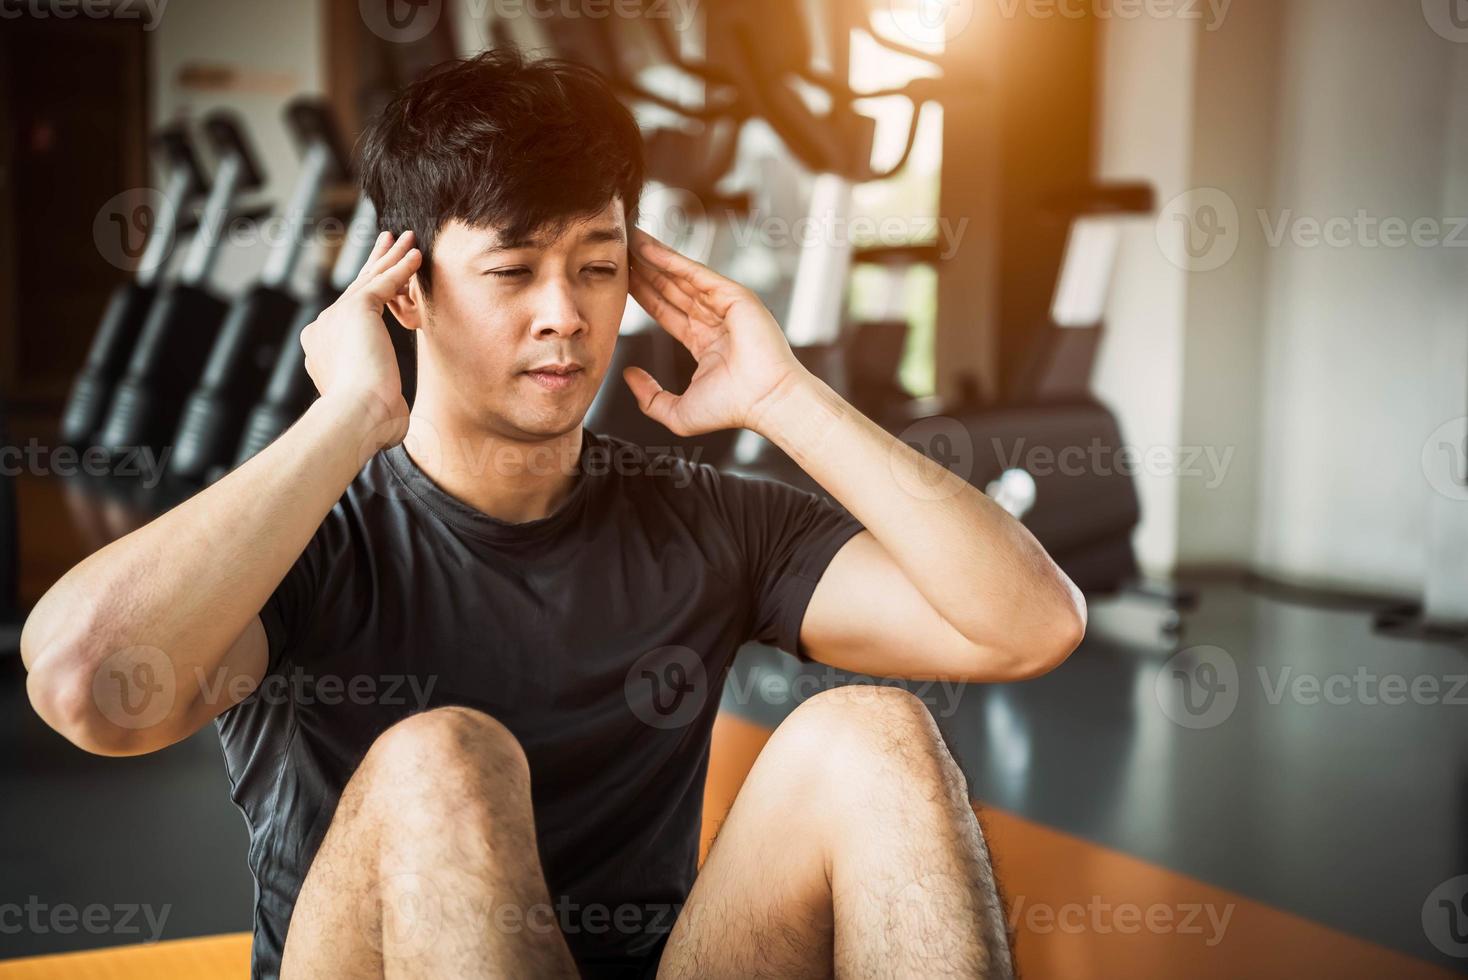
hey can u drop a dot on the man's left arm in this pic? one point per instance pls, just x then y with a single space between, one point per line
943 583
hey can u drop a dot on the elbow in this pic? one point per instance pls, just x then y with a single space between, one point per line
62 689
1053 641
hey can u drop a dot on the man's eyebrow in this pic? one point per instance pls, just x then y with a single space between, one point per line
596 236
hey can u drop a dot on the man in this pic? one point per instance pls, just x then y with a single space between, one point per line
465 661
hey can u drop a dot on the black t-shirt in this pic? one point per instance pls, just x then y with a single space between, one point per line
600 636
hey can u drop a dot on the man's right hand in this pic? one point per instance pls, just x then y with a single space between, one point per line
349 355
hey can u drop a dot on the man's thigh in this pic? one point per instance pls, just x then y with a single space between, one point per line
761 906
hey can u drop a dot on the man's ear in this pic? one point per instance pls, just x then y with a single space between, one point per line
407 307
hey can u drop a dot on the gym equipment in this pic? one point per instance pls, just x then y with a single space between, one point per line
289 390
126 310
247 344
182 324
1049 451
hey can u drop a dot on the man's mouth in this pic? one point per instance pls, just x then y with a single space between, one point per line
556 377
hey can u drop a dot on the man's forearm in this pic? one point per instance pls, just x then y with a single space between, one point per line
976 565
191 580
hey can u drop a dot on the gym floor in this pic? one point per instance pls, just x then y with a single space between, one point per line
1280 798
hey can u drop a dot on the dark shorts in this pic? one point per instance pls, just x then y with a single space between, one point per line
642 967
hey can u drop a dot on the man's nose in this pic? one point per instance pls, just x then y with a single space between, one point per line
556 312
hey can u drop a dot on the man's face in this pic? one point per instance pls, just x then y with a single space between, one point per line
500 310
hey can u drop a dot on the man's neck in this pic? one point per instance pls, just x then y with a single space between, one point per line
510 480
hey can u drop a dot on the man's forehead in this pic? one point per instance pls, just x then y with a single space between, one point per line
607 227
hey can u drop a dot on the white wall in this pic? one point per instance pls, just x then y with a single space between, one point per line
275 47
1146 108
1234 133
1321 369
1349 332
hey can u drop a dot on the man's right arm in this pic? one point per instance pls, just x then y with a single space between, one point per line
173 608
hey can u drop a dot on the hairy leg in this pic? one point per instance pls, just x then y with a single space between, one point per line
432 842
851 850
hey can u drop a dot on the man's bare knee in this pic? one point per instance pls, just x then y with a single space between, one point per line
874 731
439 761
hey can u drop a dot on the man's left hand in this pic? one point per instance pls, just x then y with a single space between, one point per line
744 360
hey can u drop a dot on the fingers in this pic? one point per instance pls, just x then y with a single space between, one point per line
379 249
386 254
671 318
654 253
393 279
659 405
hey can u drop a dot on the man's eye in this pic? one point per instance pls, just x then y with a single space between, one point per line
509 273
602 270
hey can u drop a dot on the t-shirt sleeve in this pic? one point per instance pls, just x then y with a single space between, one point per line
786 537
290 608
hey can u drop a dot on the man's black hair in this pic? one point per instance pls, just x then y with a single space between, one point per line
525 146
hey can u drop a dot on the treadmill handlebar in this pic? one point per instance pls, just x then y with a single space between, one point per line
176 151
227 139
312 123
